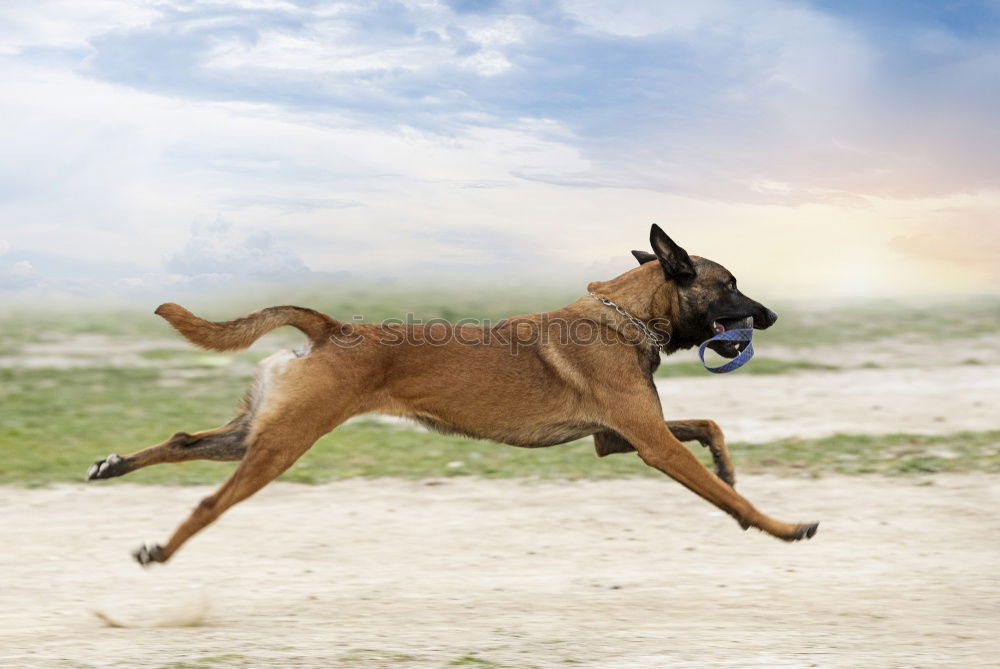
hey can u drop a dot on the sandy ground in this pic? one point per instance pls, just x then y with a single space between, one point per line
919 387
461 572
922 400
609 574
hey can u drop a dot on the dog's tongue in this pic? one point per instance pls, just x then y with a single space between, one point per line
744 323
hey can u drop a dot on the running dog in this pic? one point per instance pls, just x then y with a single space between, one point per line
531 381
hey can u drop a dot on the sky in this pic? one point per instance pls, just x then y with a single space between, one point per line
839 148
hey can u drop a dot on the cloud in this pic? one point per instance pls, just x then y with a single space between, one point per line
289 204
385 137
67 24
645 19
708 100
219 250
19 275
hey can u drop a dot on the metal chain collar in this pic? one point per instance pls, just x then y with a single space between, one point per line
657 340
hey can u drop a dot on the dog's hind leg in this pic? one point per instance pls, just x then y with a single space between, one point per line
274 448
224 443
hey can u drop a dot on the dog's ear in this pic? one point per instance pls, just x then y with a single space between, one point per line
676 263
644 256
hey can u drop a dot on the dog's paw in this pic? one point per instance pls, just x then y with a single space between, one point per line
148 554
804 531
107 468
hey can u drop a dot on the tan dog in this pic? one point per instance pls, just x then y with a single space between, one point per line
530 381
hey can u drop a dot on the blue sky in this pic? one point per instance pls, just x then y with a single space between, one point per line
160 146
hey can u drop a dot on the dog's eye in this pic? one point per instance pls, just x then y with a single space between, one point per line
731 285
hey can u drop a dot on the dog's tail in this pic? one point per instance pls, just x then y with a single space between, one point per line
240 333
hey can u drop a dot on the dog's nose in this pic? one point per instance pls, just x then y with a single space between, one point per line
764 318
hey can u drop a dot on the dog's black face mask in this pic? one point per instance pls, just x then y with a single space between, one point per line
710 301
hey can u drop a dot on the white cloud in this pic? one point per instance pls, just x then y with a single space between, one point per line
67 24
364 141
19 275
22 268
487 63
332 44
634 19
219 249
122 174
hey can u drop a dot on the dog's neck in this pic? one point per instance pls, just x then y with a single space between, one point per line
643 293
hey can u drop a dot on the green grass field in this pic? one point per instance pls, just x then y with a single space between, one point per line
57 421
54 421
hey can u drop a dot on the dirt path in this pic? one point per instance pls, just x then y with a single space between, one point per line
923 400
631 573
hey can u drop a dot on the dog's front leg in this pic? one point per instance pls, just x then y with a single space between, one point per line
659 448
708 434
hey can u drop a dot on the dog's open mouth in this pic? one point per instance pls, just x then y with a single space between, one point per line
730 349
